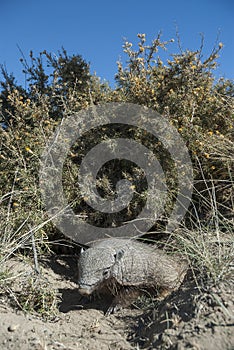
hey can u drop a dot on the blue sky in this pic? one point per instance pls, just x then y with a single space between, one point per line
96 29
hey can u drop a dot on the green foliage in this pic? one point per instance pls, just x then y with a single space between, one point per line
185 91
69 72
54 83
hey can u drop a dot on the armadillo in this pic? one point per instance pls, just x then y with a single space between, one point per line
126 267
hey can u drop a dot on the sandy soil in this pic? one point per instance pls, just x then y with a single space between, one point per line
187 319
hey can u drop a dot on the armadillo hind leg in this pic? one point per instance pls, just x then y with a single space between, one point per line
125 297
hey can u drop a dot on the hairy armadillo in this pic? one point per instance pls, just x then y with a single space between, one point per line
126 267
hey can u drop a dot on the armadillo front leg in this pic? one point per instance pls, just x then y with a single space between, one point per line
125 297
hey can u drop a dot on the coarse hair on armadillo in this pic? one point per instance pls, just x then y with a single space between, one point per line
128 263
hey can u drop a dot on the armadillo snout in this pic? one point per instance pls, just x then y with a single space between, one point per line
85 290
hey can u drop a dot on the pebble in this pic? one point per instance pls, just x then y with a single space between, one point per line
13 327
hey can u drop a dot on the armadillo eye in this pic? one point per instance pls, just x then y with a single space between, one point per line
106 273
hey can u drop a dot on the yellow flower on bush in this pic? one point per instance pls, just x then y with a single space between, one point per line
28 149
207 155
15 204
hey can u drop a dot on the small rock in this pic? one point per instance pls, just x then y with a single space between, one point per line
13 327
170 331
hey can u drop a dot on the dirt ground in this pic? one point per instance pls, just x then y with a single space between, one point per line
190 318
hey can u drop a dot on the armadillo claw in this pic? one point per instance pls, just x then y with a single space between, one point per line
113 308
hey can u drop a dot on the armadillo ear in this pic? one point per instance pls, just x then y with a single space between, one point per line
118 256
